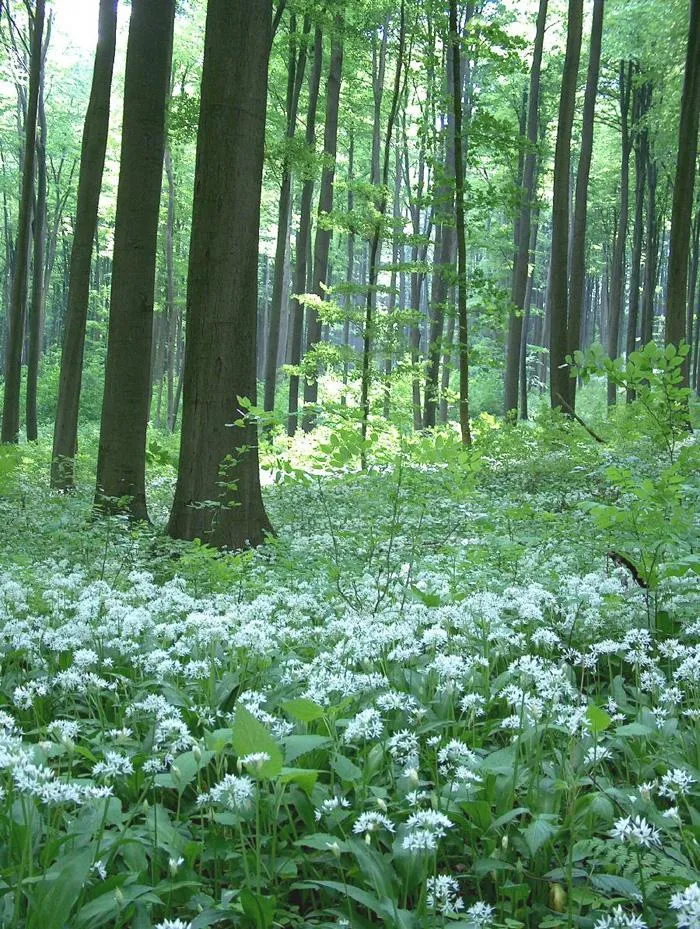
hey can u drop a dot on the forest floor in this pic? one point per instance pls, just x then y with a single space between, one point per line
433 699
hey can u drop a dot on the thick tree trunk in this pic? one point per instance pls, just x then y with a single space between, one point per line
557 292
523 379
36 315
577 277
92 160
520 269
325 206
617 279
18 296
679 242
651 255
295 77
302 264
172 310
121 458
218 497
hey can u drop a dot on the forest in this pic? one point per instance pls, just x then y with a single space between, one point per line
349 464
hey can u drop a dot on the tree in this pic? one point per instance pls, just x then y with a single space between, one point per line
522 258
92 161
218 497
121 459
18 297
559 262
577 276
325 205
681 215
303 237
463 344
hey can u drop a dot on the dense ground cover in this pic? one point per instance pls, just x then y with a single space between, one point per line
432 700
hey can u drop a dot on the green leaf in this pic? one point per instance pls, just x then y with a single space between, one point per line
345 769
538 833
57 893
302 709
259 908
297 745
249 736
304 777
598 718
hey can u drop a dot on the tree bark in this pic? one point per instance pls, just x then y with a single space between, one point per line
36 315
617 279
18 296
295 77
463 344
303 264
121 457
218 497
557 295
681 214
577 277
325 206
522 258
94 146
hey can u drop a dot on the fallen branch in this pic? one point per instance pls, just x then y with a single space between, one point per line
570 410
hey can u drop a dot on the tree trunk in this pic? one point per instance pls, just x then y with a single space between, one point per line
463 344
18 297
325 206
557 295
617 279
522 258
218 497
302 265
350 272
651 256
295 77
679 241
641 151
523 380
121 458
172 310
36 315
92 159
577 277
375 246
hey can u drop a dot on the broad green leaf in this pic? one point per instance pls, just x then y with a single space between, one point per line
302 709
599 720
250 736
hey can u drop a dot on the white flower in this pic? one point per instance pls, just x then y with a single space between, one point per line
443 894
687 905
368 724
637 831
675 782
369 822
329 805
113 765
481 914
253 760
100 869
233 792
173 924
618 919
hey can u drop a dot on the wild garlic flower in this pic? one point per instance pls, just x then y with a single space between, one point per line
425 827
173 924
234 793
114 765
674 783
686 903
329 805
253 760
367 823
618 919
637 831
443 894
367 725
481 914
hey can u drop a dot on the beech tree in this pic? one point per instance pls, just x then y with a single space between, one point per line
18 298
217 497
121 457
92 161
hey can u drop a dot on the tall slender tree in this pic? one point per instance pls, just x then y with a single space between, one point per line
94 146
681 215
577 274
324 233
121 457
559 262
522 257
18 296
218 497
